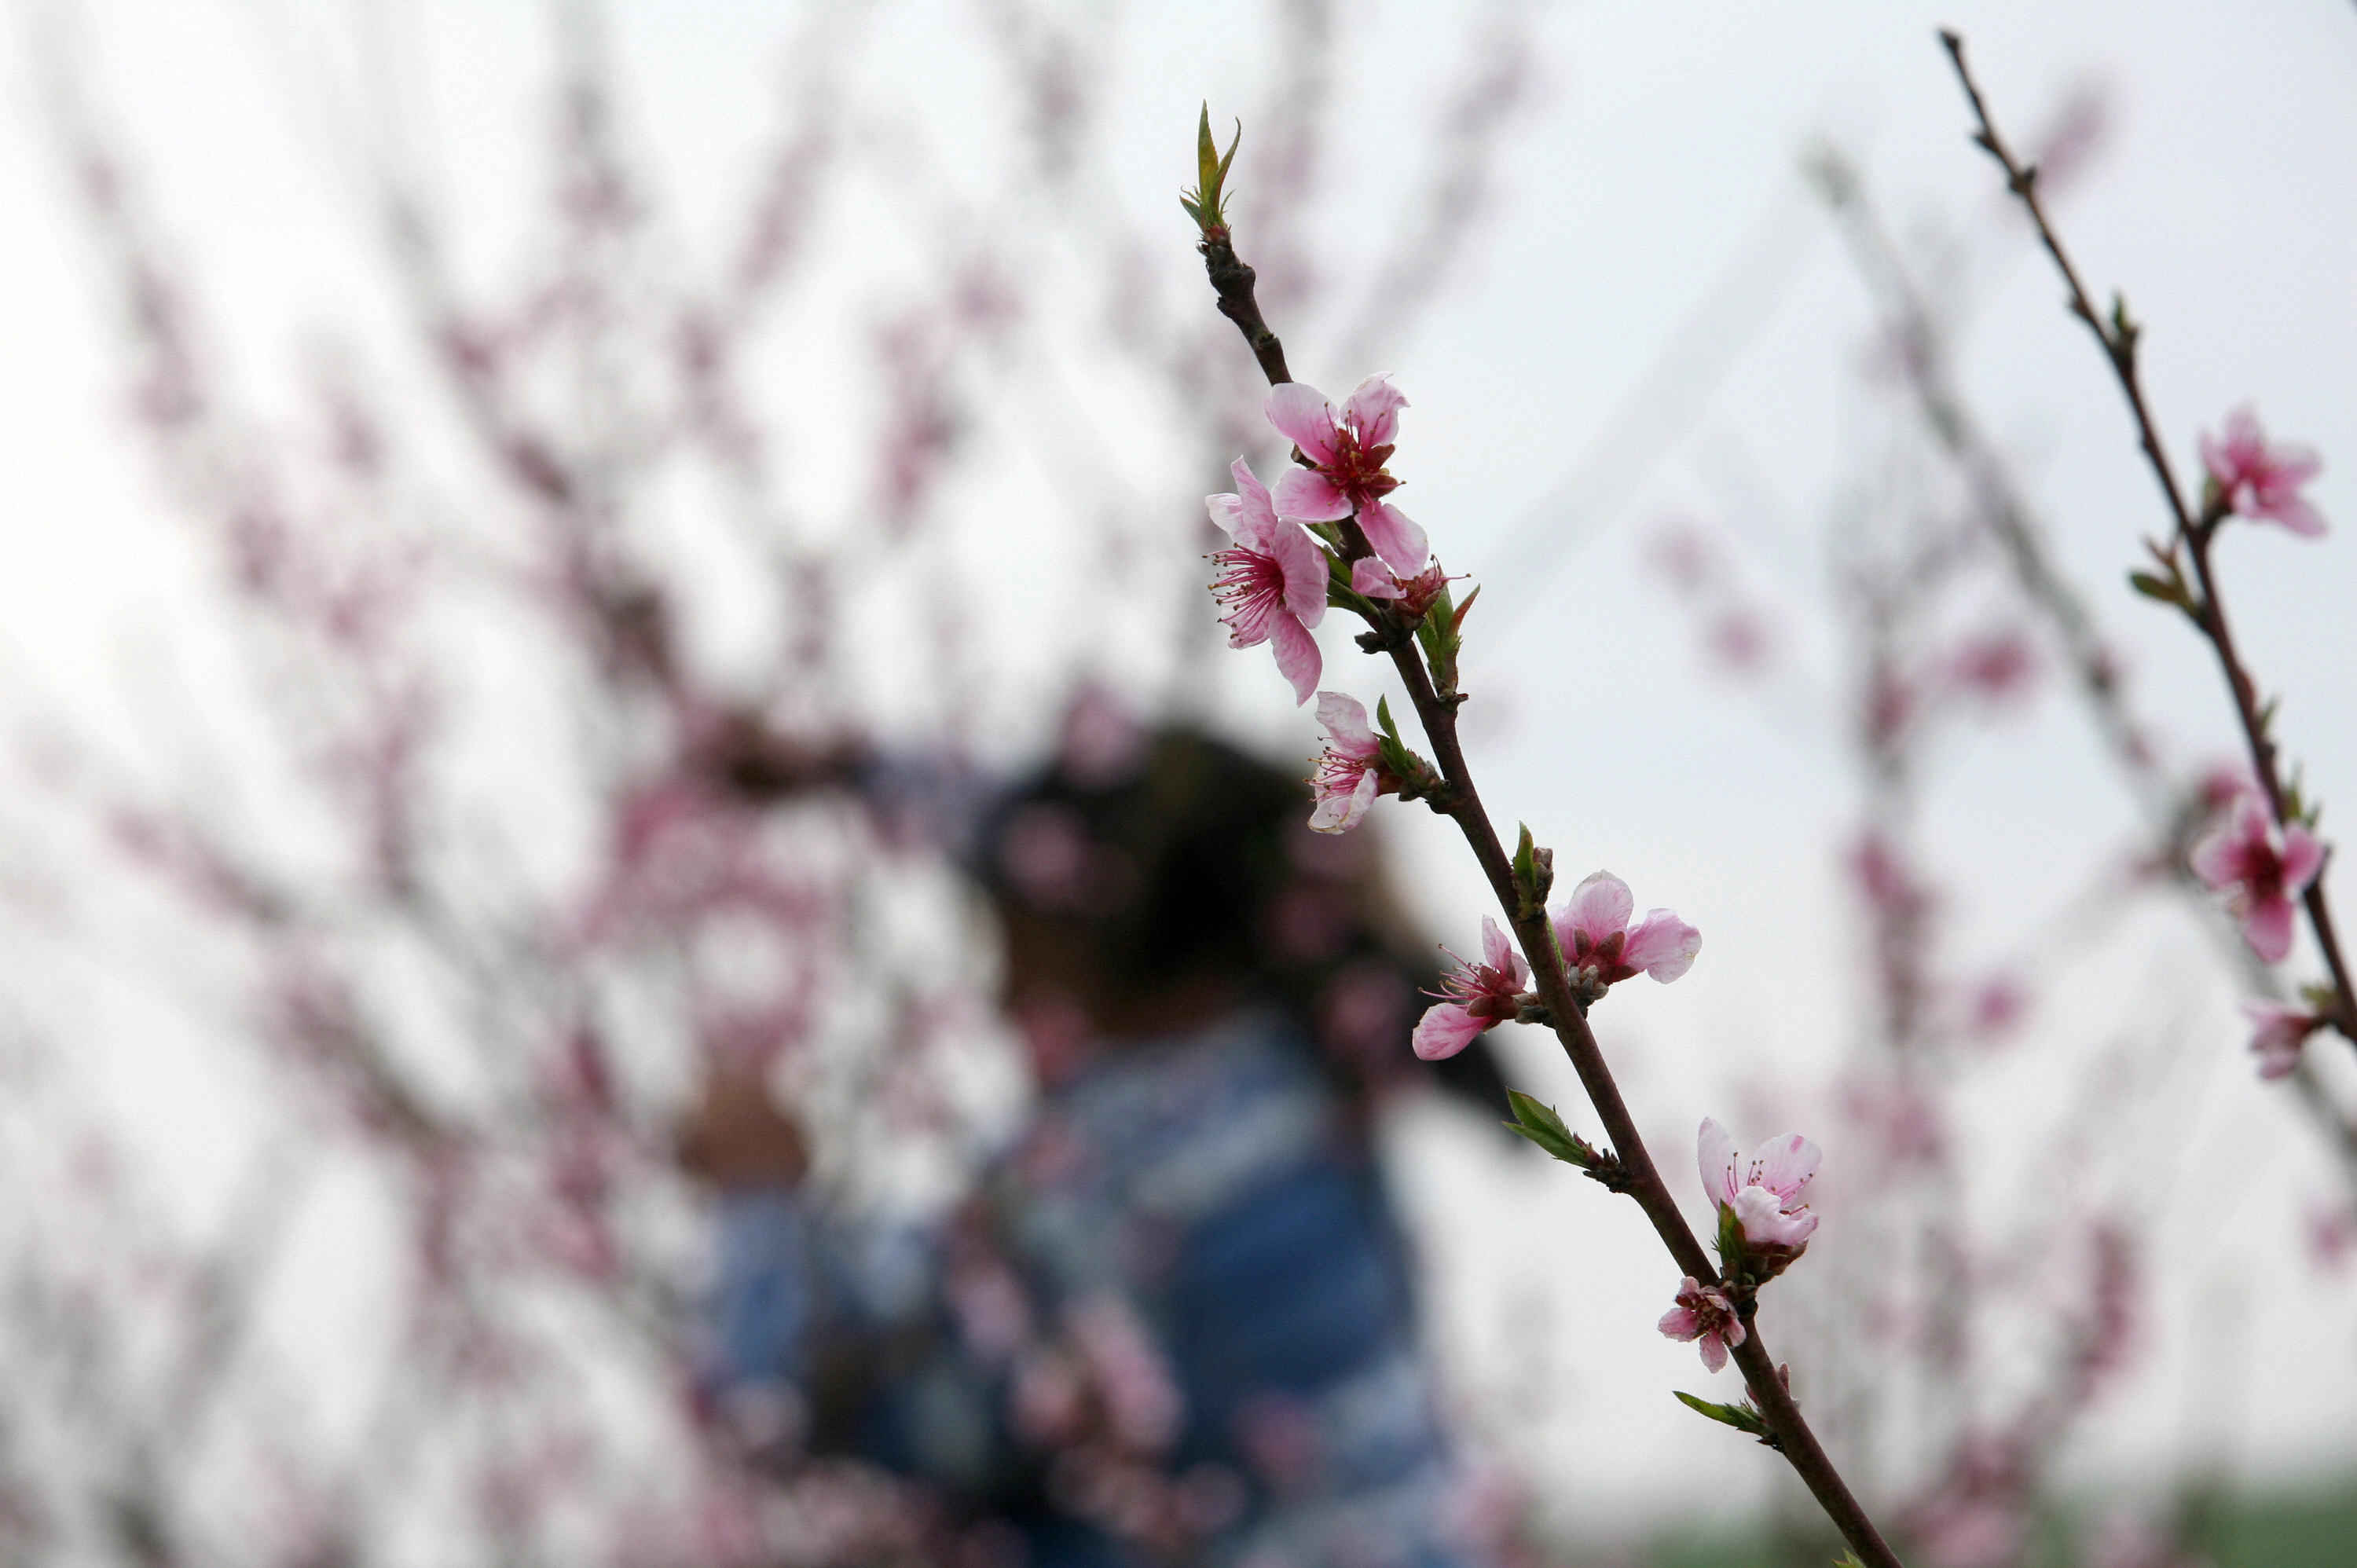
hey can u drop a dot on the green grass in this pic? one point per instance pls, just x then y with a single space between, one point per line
2312 1529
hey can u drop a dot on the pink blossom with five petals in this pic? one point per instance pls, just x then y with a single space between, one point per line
1475 996
1347 452
2256 479
1600 946
1704 1313
1350 774
1765 1193
2261 869
1272 581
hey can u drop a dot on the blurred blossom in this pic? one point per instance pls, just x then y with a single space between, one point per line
1682 554
2331 1235
2259 480
2281 1032
1740 642
1998 1005
2262 868
1995 667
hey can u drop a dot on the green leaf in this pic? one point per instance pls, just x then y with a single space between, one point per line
1384 718
1207 203
1542 1126
1456 621
2156 588
1847 1560
1743 1418
1730 1236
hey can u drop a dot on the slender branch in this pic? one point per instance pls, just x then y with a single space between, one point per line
1636 1174
1233 282
1952 423
2194 533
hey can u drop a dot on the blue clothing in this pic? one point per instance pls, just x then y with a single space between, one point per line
1185 1214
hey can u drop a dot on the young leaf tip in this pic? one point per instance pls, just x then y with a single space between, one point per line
1207 203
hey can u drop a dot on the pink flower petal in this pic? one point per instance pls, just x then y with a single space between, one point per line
1297 658
2218 859
1373 411
1498 952
1372 579
1303 416
1345 719
1251 491
2302 858
1783 1166
2268 927
1444 1030
1399 542
1765 1223
1714 1353
1304 566
1338 813
1664 946
2292 464
1714 1153
2295 513
1600 907
1310 496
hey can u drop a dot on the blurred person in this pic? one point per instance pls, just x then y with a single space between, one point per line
1175 1321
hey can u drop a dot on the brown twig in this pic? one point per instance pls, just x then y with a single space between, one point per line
2193 532
1461 802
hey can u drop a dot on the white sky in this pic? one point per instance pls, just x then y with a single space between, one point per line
2222 203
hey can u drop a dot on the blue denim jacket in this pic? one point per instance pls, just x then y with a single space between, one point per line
1188 1198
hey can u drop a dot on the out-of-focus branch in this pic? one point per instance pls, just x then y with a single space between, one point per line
2118 334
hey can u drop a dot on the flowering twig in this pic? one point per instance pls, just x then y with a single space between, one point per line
1419 631
2192 533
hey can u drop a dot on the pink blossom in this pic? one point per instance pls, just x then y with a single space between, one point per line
1766 1193
1414 594
1704 1313
2261 869
1350 774
1995 666
2259 480
1601 947
1272 582
1479 994
1739 639
1998 1006
1347 453
2282 1031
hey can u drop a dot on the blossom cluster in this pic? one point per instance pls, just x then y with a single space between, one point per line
1286 565
1599 945
1274 579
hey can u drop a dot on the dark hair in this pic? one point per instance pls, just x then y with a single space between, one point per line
1183 857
